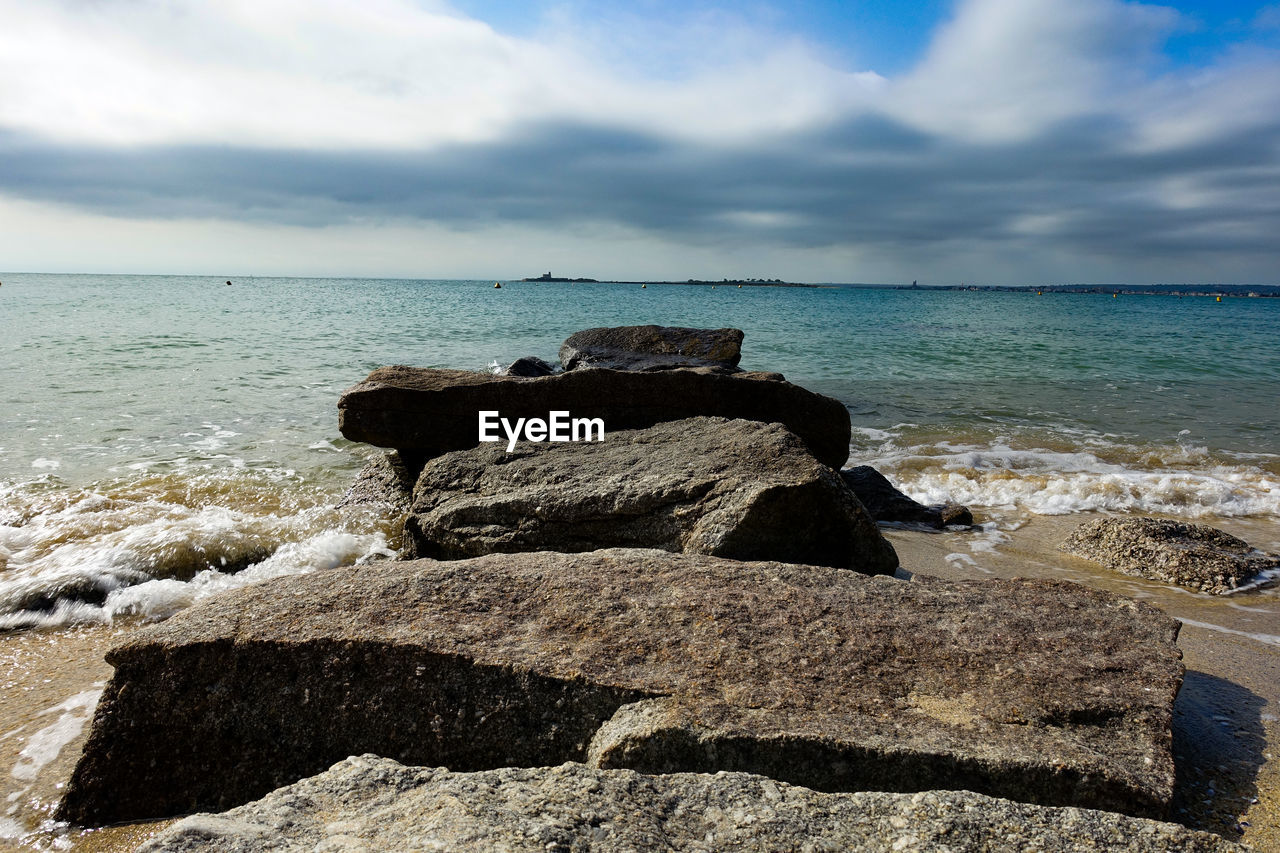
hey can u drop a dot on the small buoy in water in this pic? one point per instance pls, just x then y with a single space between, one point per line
1115 296
497 285
228 284
643 286
1039 293
739 287
1219 298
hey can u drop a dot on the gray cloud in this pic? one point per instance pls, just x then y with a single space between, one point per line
1082 186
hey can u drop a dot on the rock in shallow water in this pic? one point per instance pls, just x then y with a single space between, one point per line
1191 555
429 412
371 803
886 503
738 489
529 365
652 348
1032 690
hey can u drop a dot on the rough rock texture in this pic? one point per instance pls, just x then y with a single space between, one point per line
1037 691
386 479
885 503
1190 555
429 412
652 348
738 489
529 365
372 803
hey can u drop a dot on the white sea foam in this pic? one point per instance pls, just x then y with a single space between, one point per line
1183 480
151 544
157 599
44 746
1266 639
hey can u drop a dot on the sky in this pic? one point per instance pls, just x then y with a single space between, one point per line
945 141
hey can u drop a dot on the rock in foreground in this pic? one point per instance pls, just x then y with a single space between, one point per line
738 489
886 503
372 803
1036 691
1190 555
652 348
428 412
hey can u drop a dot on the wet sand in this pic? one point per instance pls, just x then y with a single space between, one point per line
50 684
1226 720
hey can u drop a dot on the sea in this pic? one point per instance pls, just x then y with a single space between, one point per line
166 437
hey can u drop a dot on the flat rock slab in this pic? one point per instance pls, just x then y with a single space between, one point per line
739 489
885 502
1191 555
429 412
1036 691
371 803
652 348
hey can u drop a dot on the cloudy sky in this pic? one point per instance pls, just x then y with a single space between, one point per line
997 141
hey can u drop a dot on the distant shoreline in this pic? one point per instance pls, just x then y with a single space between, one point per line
1244 290
1235 290
725 282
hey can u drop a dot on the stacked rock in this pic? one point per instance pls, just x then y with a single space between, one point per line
687 586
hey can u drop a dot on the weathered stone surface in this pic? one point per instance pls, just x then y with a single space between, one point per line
386 479
652 348
529 365
1191 555
886 503
372 803
1038 691
738 489
430 412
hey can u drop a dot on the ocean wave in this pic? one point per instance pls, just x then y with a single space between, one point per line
146 547
1062 474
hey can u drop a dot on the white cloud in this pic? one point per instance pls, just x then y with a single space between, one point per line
373 73
1007 69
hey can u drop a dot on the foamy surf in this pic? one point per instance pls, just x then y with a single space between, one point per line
1092 473
148 546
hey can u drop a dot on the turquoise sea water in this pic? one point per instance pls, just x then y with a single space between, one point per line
159 431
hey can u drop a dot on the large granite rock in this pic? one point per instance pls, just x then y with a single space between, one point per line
1191 555
738 489
652 348
886 503
429 412
371 803
1037 691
